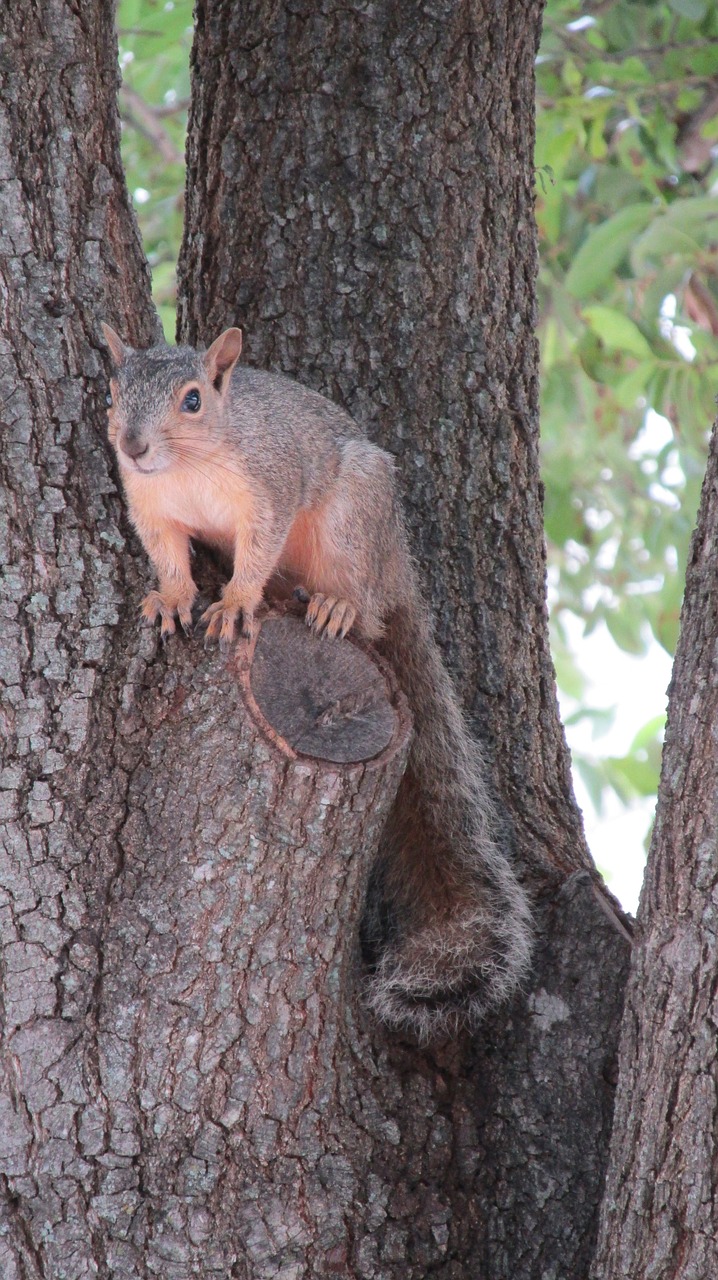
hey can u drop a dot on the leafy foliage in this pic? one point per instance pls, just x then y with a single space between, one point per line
155 37
628 218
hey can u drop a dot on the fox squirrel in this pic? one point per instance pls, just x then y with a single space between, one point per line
283 481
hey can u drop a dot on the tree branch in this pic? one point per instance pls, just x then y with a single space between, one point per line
145 119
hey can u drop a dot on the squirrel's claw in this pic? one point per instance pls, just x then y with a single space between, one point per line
220 620
185 619
341 620
155 606
248 626
328 616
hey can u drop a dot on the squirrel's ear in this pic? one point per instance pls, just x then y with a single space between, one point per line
222 357
118 350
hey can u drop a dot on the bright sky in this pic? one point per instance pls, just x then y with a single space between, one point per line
636 687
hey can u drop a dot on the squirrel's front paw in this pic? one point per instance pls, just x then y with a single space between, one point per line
167 608
220 620
330 616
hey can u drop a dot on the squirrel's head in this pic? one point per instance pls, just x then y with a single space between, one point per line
166 405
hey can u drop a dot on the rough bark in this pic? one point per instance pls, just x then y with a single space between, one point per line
659 1217
227 969
69 252
359 199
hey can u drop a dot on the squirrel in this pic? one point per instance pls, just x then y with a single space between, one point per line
283 482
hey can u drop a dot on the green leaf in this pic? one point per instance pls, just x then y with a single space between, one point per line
631 70
698 213
562 520
617 331
569 677
602 719
168 318
593 779
631 776
694 9
571 75
604 248
626 631
649 733
597 145
634 387
659 241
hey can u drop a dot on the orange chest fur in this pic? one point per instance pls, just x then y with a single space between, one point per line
212 505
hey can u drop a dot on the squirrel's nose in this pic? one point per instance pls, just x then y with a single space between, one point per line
133 447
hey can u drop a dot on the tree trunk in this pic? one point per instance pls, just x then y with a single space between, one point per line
359 199
223 1017
69 253
659 1217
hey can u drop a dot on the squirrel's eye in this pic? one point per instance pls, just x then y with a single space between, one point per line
108 399
192 401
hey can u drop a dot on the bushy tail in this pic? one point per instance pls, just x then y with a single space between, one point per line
447 928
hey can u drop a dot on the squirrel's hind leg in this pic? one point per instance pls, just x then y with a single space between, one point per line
356 555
